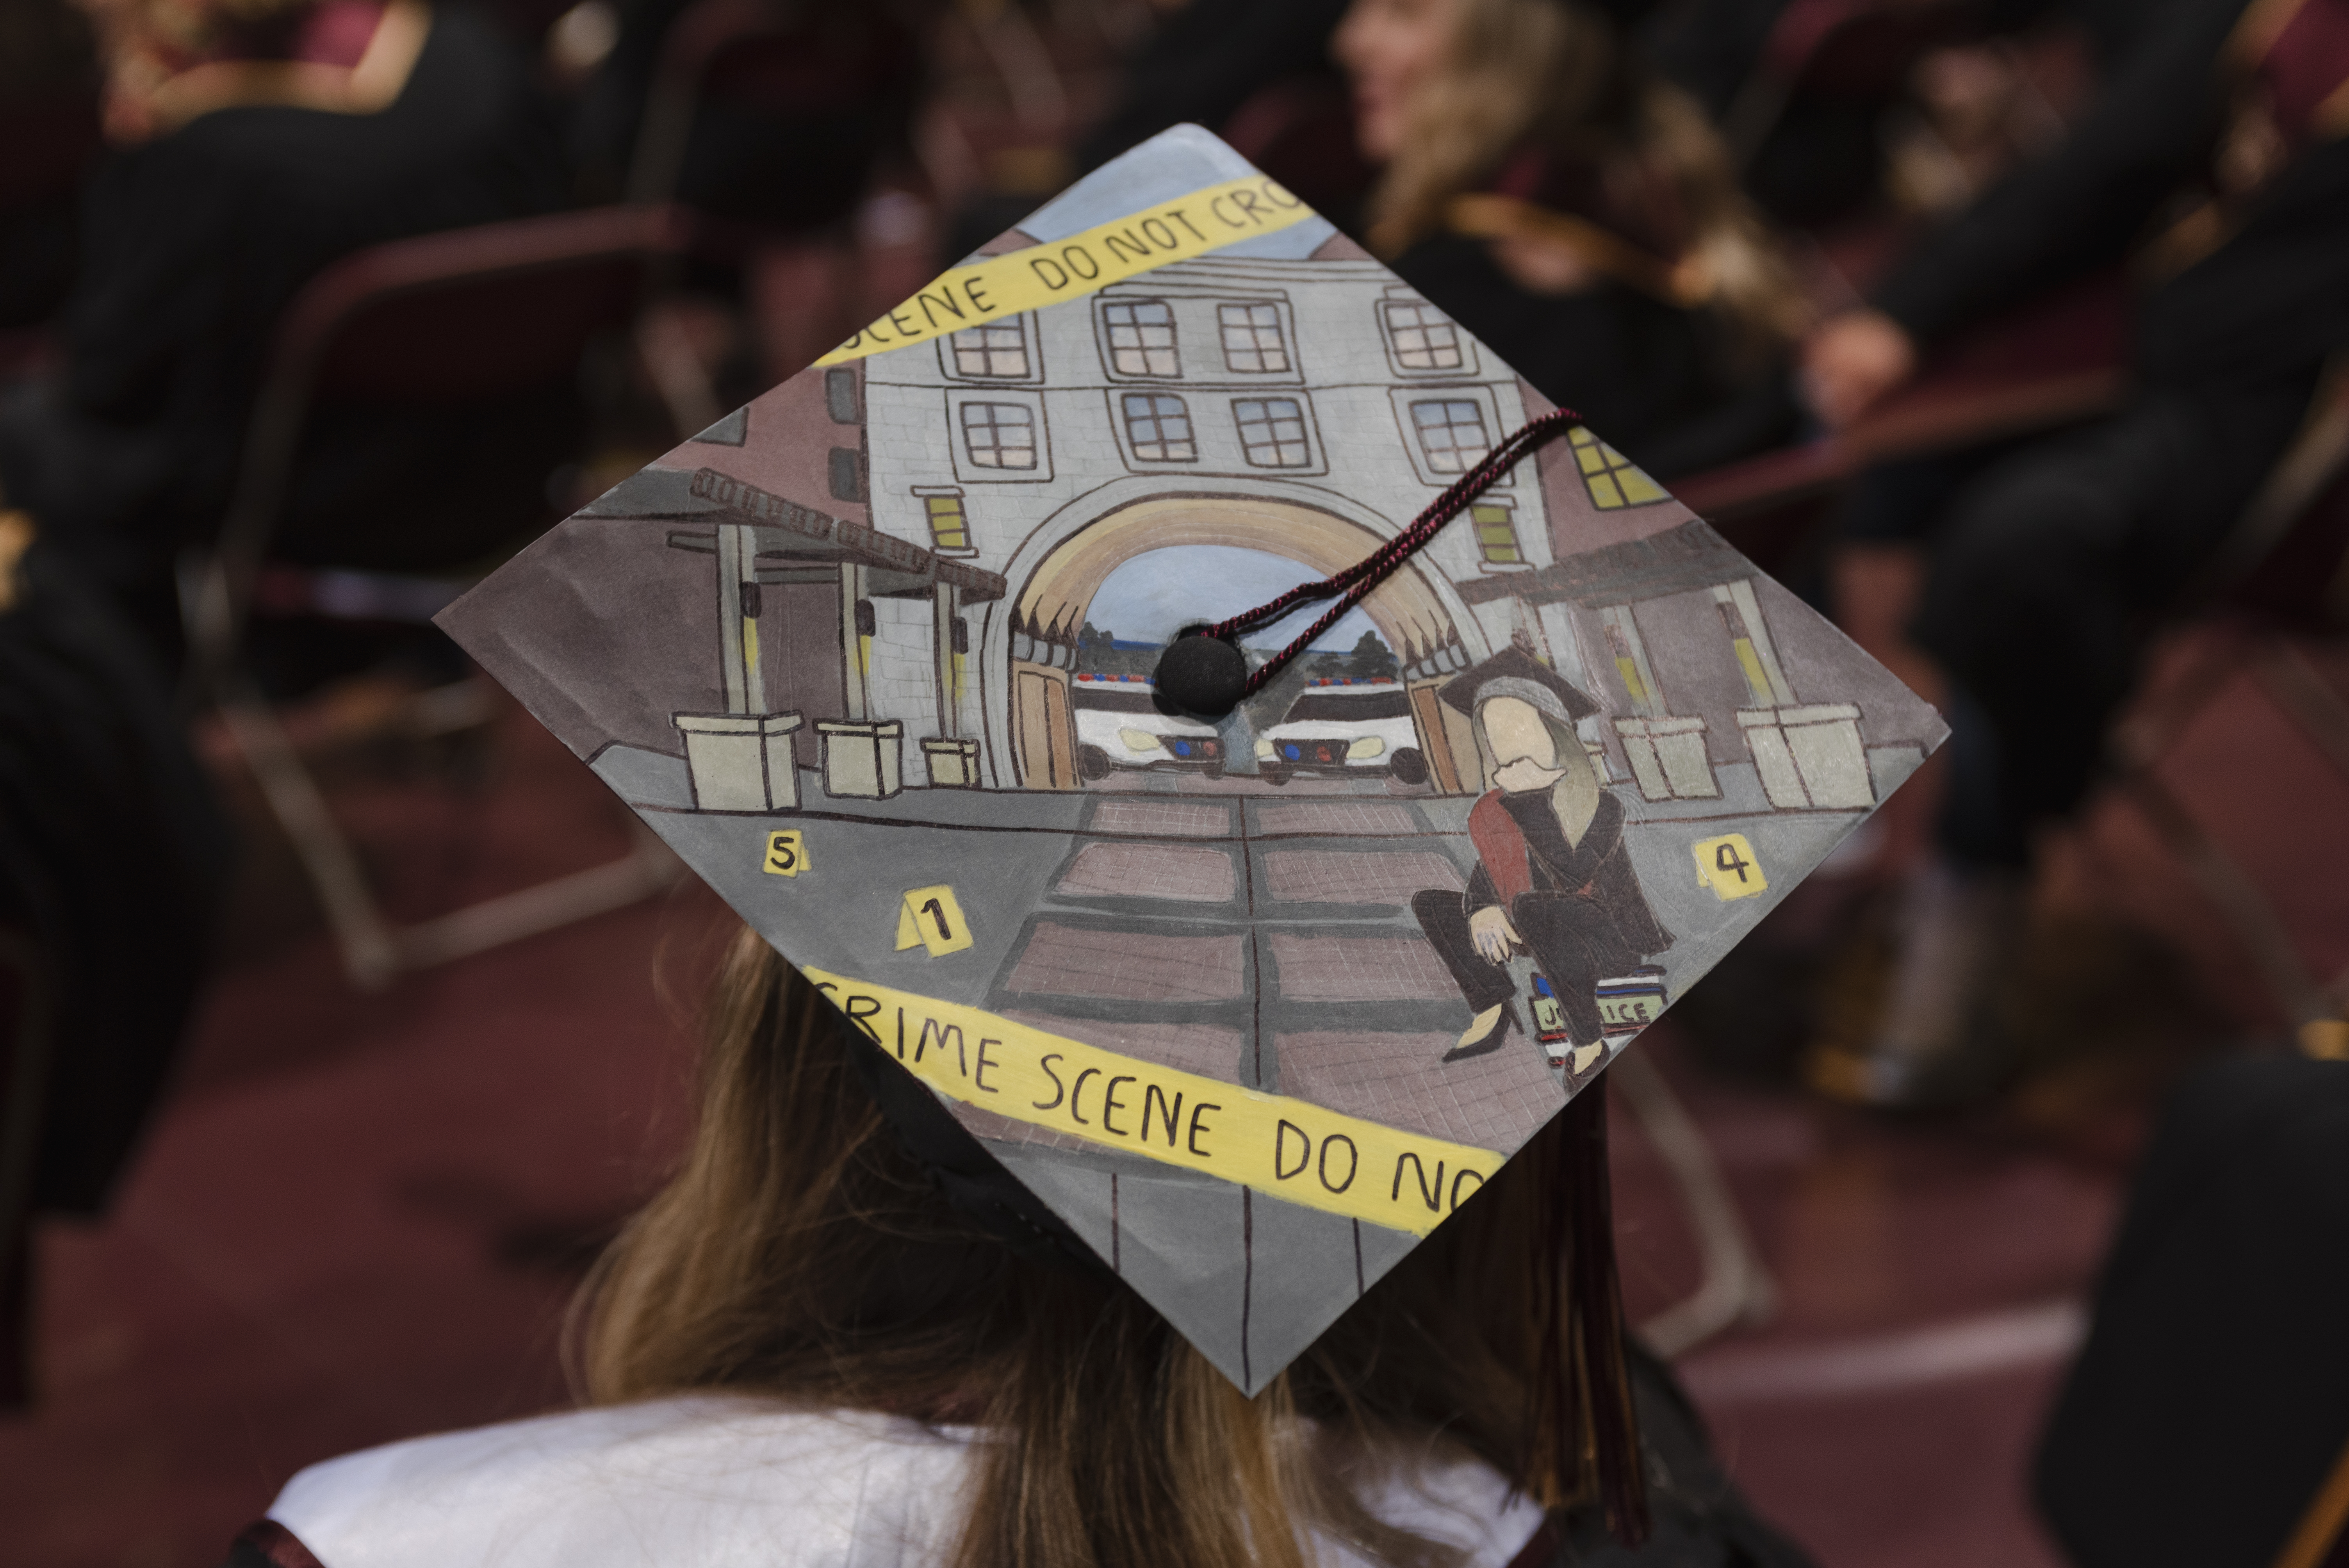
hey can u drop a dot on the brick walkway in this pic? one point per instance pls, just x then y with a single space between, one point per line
1266 926
1267 943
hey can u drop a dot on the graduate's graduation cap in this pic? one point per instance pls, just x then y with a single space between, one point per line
874 655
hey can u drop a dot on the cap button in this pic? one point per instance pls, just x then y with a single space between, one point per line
1201 674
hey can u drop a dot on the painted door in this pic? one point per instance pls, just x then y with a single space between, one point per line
1428 714
798 642
1048 755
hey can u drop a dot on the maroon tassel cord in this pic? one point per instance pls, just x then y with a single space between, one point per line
1356 581
1597 1315
1553 1463
1580 1363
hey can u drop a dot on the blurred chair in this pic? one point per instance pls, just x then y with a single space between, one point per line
1842 48
1301 130
1734 1286
2281 576
447 321
2055 362
765 118
814 82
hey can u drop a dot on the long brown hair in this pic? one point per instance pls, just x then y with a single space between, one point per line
1556 74
801 1253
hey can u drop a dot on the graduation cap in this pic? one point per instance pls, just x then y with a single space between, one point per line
876 655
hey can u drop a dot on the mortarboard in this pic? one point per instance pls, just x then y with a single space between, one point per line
875 655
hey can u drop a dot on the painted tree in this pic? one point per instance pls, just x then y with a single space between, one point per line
1371 659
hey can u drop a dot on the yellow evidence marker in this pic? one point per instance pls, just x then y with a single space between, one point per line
1727 866
930 918
786 854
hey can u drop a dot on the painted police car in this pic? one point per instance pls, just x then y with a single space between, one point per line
1344 727
1119 725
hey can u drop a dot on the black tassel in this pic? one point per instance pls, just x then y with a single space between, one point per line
1598 1318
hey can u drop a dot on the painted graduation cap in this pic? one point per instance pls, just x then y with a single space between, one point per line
873 654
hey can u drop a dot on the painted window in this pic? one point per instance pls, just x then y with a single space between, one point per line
996 348
1496 533
999 435
1142 337
949 526
1272 433
1252 341
1424 338
1158 427
1613 479
840 398
845 467
1450 432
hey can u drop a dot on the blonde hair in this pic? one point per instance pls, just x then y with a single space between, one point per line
1555 74
1573 797
801 1253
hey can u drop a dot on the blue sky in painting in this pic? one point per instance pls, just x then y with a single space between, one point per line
1153 596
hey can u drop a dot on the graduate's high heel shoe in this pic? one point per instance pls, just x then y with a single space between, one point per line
1484 1034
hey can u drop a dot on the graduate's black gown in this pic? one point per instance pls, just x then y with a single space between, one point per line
192 244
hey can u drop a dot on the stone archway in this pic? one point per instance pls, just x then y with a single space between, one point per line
1411 612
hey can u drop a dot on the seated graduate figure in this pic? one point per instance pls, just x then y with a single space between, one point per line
1552 876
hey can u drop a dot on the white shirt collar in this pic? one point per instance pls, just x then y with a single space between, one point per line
727 1483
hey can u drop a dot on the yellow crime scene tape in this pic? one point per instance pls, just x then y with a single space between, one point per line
1285 1147
1083 263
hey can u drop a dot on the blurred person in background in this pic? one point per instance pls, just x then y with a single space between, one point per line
1204 60
1817 98
1818 159
114 867
1215 63
792 106
786 128
2205 1419
2213 162
48 129
1549 193
253 142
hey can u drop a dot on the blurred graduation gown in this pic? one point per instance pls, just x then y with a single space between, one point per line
195 240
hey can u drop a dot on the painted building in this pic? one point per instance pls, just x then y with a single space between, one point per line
900 551
1304 407
804 641
986 484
